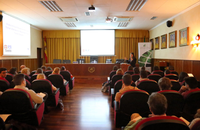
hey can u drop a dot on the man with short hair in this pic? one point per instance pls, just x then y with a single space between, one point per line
126 81
20 83
3 73
143 76
21 67
190 86
164 83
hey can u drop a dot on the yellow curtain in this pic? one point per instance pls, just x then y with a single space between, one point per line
65 44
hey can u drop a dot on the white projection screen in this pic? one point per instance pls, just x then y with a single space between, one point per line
16 37
97 42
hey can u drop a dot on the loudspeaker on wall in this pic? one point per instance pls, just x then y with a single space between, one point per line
1 17
169 23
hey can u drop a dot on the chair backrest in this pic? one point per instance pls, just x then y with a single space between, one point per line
33 77
117 86
115 78
175 102
48 72
56 80
148 85
66 75
154 77
56 60
66 61
4 85
135 77
16 101
33 72
162 123
174 72
28 84
160 72
113 72
134 101
172 76
192 102
27 77
175 85
129 72
196 125
42 85
9 77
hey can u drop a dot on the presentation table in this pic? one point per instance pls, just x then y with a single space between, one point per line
94 72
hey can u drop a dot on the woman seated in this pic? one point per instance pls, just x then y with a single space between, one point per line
13 71
57 71
42 76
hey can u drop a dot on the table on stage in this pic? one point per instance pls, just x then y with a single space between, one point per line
94 72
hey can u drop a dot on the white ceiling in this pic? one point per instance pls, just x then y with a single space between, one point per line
37 15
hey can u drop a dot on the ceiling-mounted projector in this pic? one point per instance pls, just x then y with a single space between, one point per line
108 20
91 9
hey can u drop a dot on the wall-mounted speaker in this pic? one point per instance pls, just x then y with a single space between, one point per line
1 17
169 23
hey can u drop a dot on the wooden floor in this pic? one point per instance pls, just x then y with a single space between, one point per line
85 108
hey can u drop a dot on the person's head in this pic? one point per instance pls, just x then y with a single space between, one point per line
3 72
22 66
56 70
157 103
136 70
115 67
171 67
191 82
62 68
155 68
143 68
44 68
130 67
132 55
127 79
25 71
19 79
41 76
13 71
39 70
182 76
119 72
164 83
49 68
197 115
167 71
143 74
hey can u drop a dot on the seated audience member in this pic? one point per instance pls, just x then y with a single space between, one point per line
157 105
20 83
48 68
143 68
171 68
190 86
167 72
26 71
182 76
42 76
57 71
196 119
64 69
43 68
143 76
13 71
126 81
164 83
39 71
155 68
3 72
136 70
130 70
21 67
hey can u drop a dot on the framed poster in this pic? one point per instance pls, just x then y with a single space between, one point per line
152 44
164 41
156 43
184 36
172 39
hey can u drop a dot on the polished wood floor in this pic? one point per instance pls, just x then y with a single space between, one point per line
85 108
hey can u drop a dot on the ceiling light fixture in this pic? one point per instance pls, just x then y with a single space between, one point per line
108 20
51 6
91 9
135 5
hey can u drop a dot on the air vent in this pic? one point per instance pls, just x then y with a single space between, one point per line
69 19
51 6
135 5
154 17
123 24
122 19
70 24
87 13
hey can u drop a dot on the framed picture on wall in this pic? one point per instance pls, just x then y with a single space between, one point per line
184 36
164 41
157 43
172 39
152 44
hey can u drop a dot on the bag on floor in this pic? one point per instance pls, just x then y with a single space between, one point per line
104 88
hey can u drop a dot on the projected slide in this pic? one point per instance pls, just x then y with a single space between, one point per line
16 37
97 42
